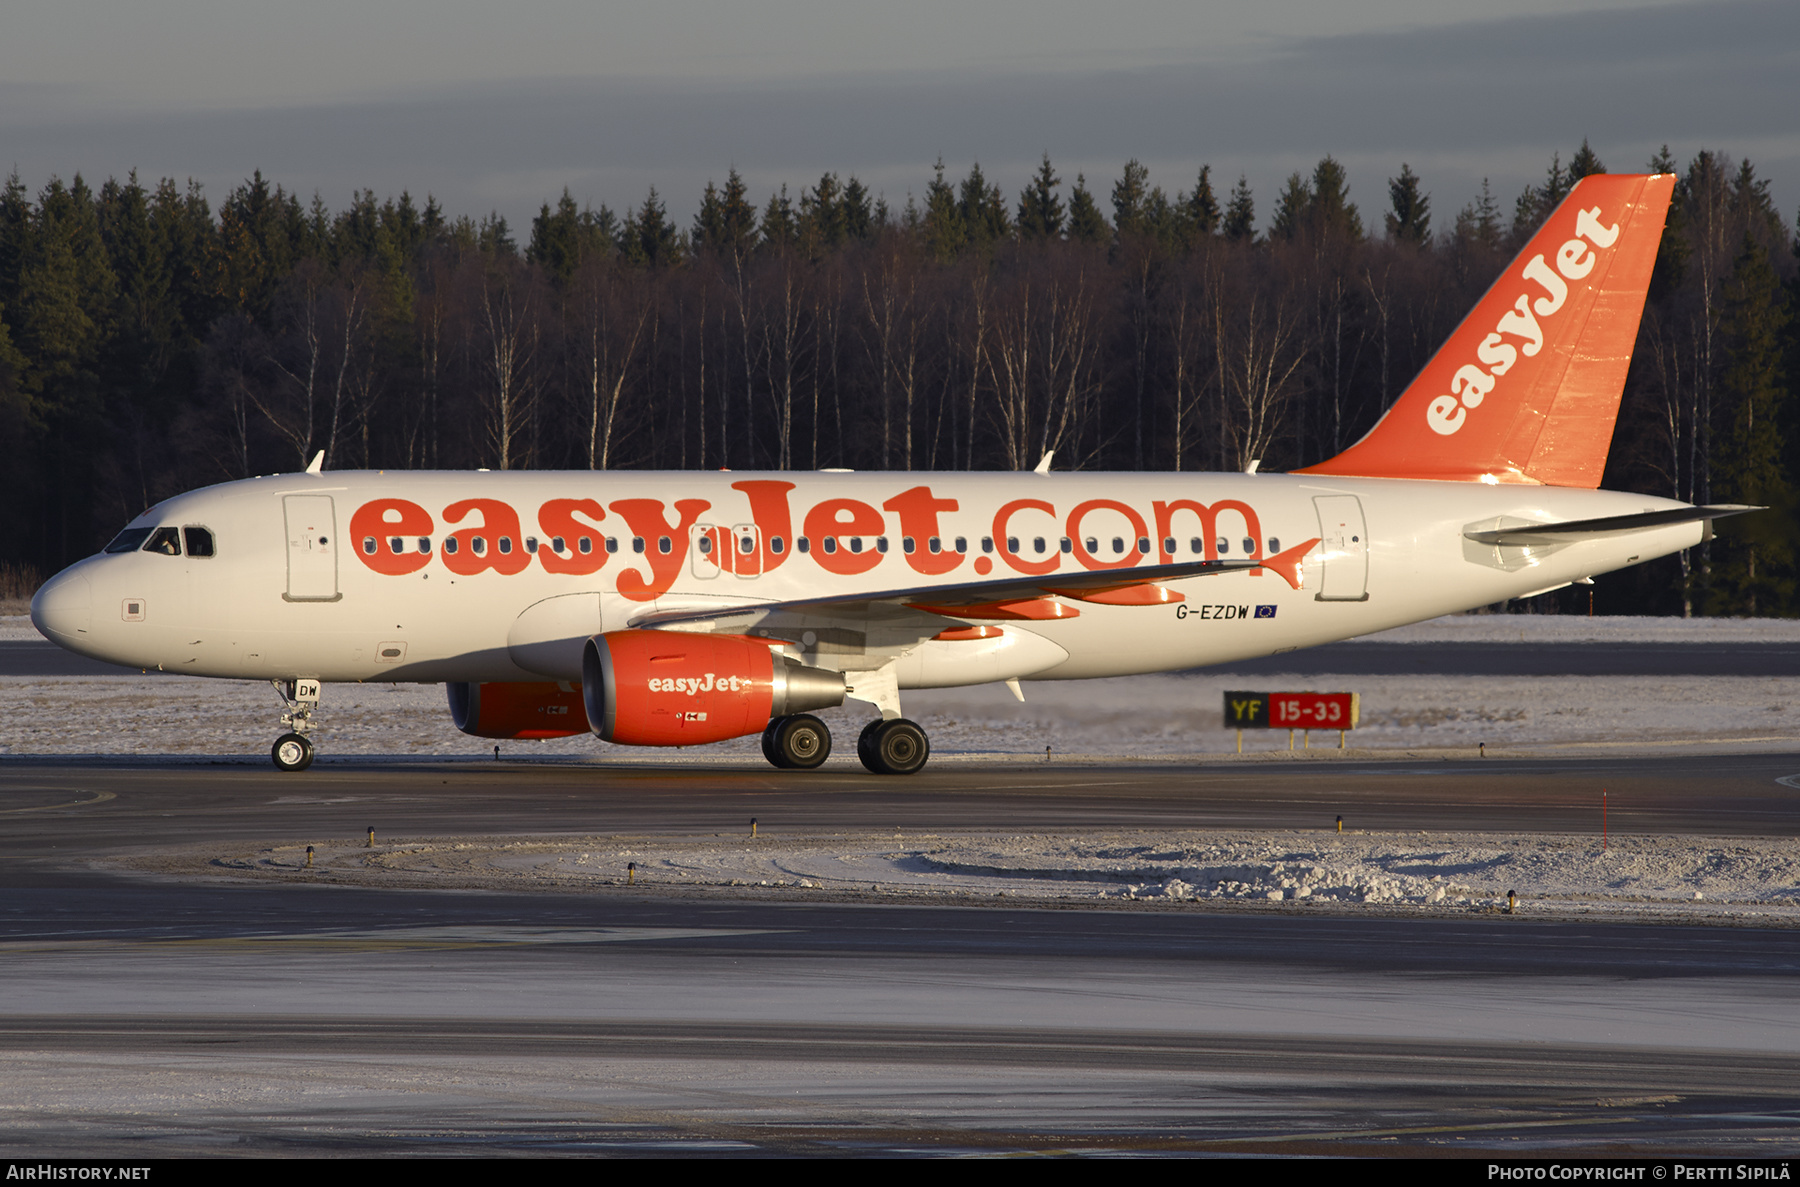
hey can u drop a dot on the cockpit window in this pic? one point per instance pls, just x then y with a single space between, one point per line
167 541
129 540
199 541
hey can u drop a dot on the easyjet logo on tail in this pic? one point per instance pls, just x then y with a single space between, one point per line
1471 384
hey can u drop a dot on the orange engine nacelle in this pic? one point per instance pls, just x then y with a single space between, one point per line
518 710
679 688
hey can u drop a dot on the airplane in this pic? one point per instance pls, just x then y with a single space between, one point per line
680 609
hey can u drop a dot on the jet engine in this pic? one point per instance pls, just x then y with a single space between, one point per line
521 710
681 688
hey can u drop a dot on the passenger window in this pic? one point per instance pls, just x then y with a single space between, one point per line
612 543
369 545
451 544
830 544
129 540
199 541
962 544
881 544
1093 545
637 544
424 545
1068 545
934 545
1169 544
1195 547
1143 546
396 545
1012 545
706 546
1274 545
556 544
907 546
479 544
506 546
165 541
587 545
1118 545
777 545
531 544
1037 545
663 545
803 543
856 544
1249 545
1224 546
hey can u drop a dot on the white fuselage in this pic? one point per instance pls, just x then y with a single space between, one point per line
292 590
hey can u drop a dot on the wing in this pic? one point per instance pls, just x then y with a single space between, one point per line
904 616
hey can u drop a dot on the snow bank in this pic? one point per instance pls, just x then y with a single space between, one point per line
1453 872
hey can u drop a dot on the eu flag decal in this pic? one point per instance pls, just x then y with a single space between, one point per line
1265 612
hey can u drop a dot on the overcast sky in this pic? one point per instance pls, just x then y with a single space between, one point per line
500 106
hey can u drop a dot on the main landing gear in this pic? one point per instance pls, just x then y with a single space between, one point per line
293 751
797 743
888 746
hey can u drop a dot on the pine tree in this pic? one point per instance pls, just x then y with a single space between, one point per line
1240 213
983 210
726 224
1086 223
1040 209
1131 201
1584 163
859 218
649 238
1199 211
780 229
556 239
1410 219
1751 577
822 219
1291 209
1331 213
942 220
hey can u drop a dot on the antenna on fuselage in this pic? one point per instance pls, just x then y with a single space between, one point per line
1043 467
317 465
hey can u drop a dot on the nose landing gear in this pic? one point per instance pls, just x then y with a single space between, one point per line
293 751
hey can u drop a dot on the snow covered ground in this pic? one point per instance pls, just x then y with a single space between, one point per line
1163 717
1633 876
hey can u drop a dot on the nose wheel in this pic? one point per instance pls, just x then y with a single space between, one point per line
292 752
893 746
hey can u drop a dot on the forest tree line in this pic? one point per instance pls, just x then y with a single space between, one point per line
150 343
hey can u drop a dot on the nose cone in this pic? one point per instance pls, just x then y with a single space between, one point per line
62 611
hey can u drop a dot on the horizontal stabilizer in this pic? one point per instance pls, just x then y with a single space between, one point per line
1600 529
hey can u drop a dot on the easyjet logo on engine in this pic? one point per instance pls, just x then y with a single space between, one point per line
692 685
843 536
1472 384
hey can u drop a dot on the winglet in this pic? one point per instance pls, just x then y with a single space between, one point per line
317 465
1527 388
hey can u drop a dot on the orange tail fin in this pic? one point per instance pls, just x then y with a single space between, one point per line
1527 388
